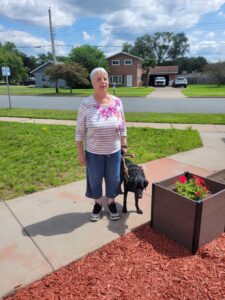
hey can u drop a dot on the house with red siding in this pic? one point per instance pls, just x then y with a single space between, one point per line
125 69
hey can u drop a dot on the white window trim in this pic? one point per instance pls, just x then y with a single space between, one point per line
119 77
128 64
117 62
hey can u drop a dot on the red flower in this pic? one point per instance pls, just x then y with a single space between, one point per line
198 194
193 188
199 180
182 179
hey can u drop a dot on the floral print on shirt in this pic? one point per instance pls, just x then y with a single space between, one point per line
105 112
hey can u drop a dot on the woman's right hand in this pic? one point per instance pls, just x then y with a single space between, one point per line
82 158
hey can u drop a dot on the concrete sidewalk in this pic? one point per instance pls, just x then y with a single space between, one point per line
44 231
199 127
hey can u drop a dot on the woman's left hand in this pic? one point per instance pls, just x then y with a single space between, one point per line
124 150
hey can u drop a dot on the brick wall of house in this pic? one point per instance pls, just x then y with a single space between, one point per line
135 69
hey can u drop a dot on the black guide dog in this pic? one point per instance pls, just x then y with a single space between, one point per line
133 179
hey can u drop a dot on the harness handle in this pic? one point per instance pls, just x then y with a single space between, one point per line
126 174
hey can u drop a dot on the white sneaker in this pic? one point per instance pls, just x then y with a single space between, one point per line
96 213
113 211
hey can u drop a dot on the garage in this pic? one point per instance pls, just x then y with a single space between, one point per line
169 72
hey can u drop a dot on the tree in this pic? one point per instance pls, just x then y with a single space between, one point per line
127 47
61 58
149 62
163 45
43 58
217 70
188 64
29 62
9 57
179 46
73 73
88 56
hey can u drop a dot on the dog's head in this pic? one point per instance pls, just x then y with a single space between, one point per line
140 183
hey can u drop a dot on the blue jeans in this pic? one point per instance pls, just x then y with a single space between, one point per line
103 166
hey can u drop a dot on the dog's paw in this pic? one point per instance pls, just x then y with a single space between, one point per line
124 210
139 211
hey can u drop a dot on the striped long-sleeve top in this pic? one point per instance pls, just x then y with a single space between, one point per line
101 126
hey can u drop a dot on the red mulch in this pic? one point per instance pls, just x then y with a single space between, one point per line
140 265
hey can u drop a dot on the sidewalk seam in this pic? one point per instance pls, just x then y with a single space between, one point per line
28 235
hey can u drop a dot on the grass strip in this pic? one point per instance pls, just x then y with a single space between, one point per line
120 91
148 117
204 90
37 157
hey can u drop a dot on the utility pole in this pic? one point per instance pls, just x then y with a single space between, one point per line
52 35
53 45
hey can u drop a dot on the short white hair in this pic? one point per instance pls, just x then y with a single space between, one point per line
96 71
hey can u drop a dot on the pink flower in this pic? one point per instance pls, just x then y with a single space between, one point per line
117 102
97 106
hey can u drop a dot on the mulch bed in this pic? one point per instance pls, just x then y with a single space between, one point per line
140 265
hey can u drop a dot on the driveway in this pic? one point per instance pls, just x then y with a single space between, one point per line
166 93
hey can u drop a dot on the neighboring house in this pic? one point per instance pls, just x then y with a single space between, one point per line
125 69
169 72
42 80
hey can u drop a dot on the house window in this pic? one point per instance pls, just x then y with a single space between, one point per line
115 79
115 62
128 62
43 78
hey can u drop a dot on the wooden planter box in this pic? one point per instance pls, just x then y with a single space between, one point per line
188 222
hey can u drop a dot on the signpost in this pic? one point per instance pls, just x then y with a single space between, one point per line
6 73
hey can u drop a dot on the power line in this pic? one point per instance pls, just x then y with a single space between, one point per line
117 46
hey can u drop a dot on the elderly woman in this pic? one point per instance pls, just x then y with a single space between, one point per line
100 135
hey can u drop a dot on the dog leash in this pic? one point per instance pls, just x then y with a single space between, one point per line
125 169
126 174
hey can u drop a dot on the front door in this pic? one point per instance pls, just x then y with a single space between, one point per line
129 80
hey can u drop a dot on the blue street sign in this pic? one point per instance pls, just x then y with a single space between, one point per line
5 71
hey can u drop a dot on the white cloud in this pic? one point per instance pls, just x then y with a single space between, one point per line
151 16
111 46
121 20
87 37
210 35
26 41
212 50
36 12
221 14
130 14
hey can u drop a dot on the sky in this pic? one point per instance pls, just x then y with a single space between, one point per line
108 24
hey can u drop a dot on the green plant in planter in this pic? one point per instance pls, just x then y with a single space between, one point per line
193 188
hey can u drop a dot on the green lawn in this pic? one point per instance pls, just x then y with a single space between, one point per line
130 117
120 91
193 90
204 90
36 157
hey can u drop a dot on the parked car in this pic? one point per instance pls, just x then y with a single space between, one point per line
160 81
29 81
180 81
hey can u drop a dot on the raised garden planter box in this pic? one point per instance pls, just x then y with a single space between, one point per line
188 222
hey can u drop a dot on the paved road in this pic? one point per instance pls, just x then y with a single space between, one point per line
191 105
